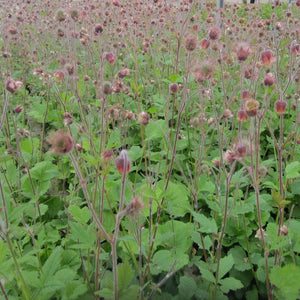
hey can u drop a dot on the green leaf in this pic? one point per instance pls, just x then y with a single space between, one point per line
135 153
156 129
292 170
207 275
206 225
125 276
240 258
130 293
187 287
52 264
230 283
287 280
82 215
84 235
226 263
206 185
295 187
114 139
177 199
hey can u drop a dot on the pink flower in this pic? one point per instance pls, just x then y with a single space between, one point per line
267 58
123 162
13 85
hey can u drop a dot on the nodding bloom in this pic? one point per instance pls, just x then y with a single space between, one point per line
123 162
269 79
246 95
251 107
61 142
214 33
295 49
144 118
204 43
280 106
242 116
110 58
242 51
123 73
191 43
267 58
13 85
98 28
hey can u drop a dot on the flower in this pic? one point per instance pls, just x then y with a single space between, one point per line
61 142
214 33
134 207
204 43
280 106
143 118
242 116
242 51
123 162
251 107
269 79
173 88
191 43
267 58
13 85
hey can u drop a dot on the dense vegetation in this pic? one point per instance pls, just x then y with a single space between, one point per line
149 150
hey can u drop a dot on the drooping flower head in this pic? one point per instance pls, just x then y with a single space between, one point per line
123 162
267 58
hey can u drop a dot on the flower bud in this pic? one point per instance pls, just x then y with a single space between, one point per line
280 106
191 43
269 79
173 88
143 118
267 58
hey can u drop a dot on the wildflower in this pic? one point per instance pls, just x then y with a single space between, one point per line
59 75
242 51
107 90
203 71
191 43
106 155
269 79
214 33
229 156
227 114
295 49
110 58
143 118
267 58
280 106
123 162
204 43
251 107
61 15
123 73
173 88
246 95
61 142
242 116
13 85
18 109
98 28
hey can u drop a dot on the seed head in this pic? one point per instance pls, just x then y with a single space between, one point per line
134 207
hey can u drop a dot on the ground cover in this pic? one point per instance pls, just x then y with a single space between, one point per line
149 150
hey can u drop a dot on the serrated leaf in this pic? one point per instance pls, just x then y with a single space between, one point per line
206 225
230 283
240 259
135 152
125 276
82 215
52 264
187 287
84 235
205 185
207 275
292 170
287 280
226 263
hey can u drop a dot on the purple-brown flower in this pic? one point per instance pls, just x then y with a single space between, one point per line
61 142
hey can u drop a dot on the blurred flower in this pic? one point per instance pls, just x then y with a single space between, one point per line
18 109
267 58
191 43
283 230
214 33
295 49
110 58
173 88
242 116
251 107
123 73
280 106
242 51
134 207
123 162
204 43
13 85
143 118
61 142
259 234
269 79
